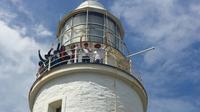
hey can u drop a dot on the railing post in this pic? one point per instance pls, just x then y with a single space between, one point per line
49 64
75 54
130 62
38 75
106 57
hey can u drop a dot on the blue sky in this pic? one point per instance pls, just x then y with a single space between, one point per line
171 73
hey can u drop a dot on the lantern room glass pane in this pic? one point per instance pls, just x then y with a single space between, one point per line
66 37
111 25
78 31
95 27
68 25
95 30
79 19
96 18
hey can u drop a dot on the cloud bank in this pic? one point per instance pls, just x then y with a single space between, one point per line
16 62
173 27
18 59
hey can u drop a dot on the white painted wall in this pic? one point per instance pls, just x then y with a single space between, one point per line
88 92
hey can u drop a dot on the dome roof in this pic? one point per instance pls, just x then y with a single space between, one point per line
91 4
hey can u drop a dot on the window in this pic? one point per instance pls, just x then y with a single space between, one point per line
95 30
67 37
58 109
78 31
55 106
95 27
111 25
95 33
66 32
79 23
79 19
95 18
68 24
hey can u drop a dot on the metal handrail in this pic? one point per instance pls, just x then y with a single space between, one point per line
72 58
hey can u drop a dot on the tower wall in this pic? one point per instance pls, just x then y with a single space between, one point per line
87 91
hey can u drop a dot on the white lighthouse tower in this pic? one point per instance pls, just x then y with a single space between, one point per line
90 72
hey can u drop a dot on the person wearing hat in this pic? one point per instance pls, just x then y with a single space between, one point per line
86 54
98 54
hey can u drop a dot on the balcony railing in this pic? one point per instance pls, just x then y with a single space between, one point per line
73 56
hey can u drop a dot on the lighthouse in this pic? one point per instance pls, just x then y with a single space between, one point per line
90 70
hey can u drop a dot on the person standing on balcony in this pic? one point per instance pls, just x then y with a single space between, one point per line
41 59
98 54
48 58
74 50
48 55
86 54
64 57
41 63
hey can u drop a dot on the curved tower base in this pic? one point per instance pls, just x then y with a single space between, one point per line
91 88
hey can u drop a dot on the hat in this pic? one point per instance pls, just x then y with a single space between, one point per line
85 44
97 46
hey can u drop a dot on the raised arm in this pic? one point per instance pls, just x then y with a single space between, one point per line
40 56
58 47
49 53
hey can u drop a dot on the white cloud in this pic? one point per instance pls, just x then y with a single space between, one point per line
42 31
163 23
17 68
6 15
22 8
173 27
195 8
18 55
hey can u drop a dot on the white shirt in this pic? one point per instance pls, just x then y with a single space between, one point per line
99 54
86 52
